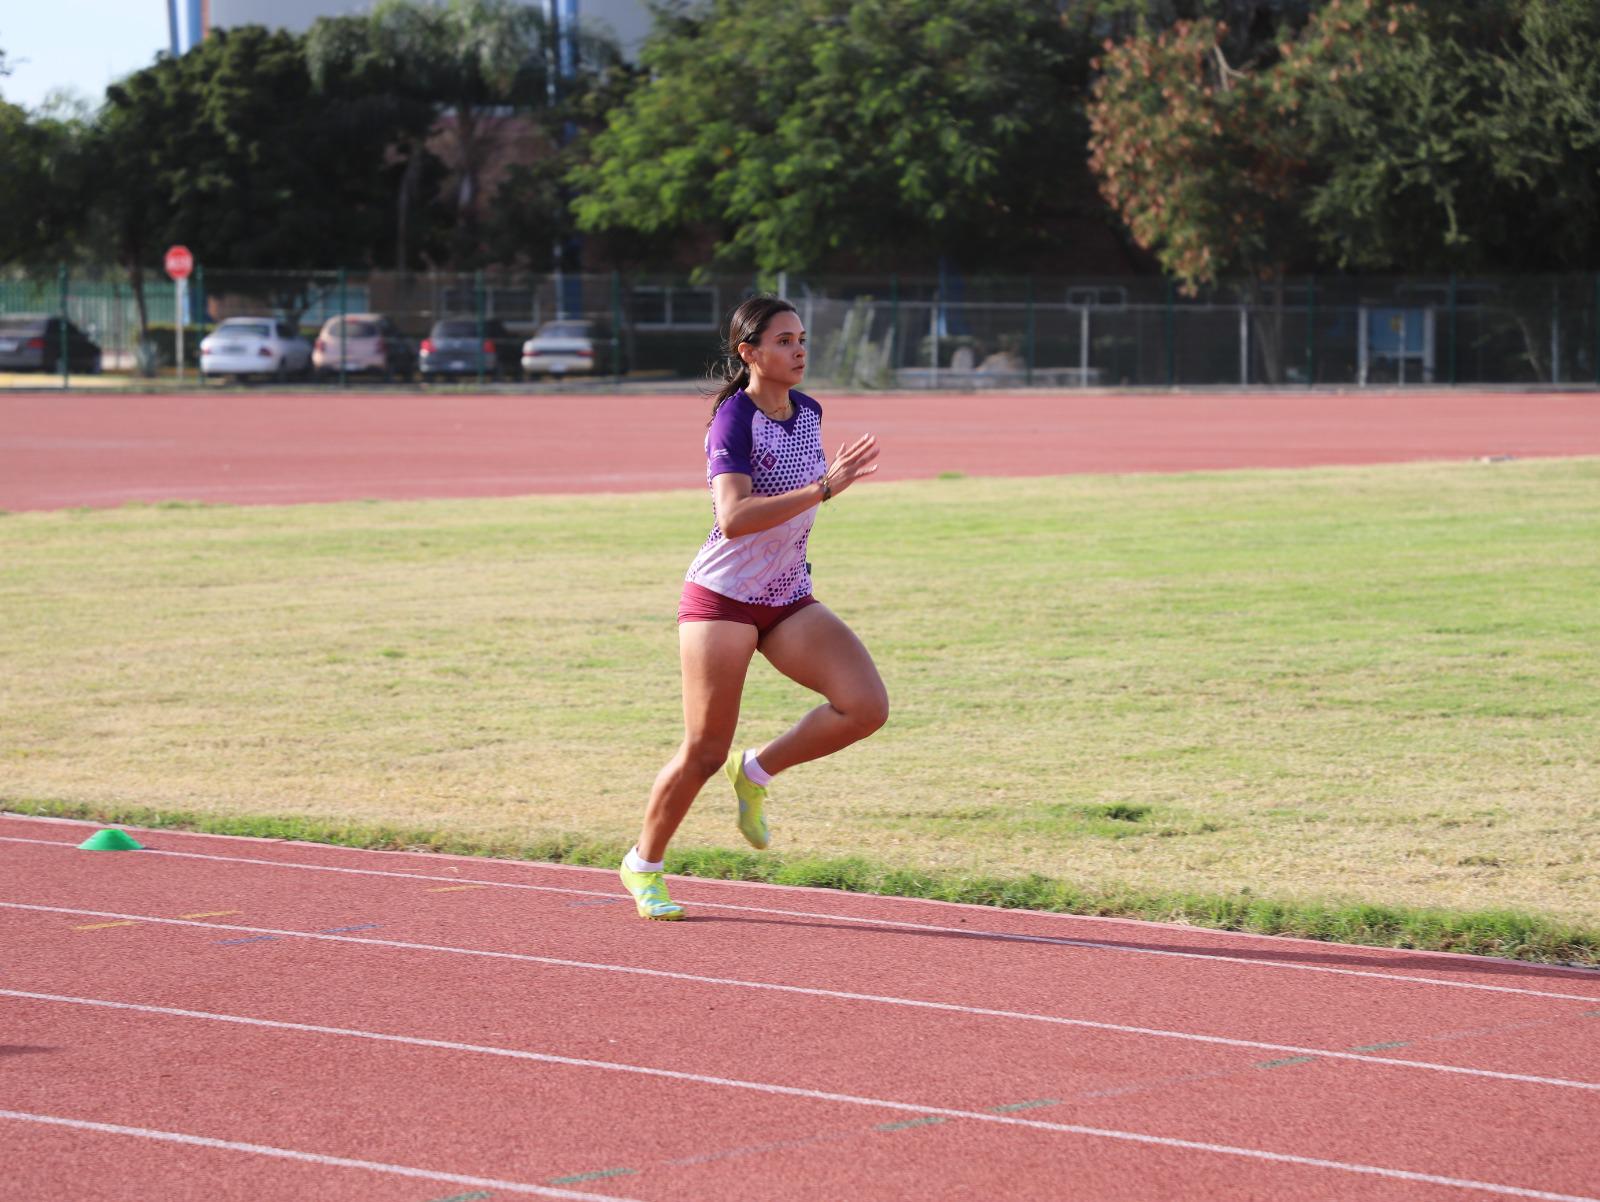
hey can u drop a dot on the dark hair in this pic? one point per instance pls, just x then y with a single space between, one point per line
745 324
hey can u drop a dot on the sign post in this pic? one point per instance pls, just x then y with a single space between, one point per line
179 263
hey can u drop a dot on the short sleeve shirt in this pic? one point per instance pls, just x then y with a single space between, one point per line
768 567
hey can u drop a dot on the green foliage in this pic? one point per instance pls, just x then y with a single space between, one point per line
1381 135
43 183
230 151
827 131
473 74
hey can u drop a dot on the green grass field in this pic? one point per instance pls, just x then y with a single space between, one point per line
1358 703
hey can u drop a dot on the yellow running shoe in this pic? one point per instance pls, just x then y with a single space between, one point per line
650 898
752 802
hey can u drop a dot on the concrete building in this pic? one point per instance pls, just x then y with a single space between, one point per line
627 20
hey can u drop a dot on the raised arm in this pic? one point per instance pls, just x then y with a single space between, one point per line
740 513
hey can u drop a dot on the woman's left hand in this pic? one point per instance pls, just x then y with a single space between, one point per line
852 462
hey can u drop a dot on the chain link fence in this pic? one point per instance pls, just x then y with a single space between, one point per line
898 332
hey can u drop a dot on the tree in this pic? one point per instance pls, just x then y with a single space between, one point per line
862 133
230 151
1382 136
1209 161
474 66
43 201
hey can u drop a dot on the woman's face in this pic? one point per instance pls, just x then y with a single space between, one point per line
781 354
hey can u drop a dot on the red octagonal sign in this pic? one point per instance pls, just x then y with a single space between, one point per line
179 262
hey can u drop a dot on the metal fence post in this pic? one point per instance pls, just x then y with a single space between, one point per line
1032 330
344 334
1453 331
1311 331
1168 334
477 302
894 323
616 323
199 303
1597 329
1555 330
66 357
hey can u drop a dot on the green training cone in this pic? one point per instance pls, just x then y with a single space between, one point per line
110 840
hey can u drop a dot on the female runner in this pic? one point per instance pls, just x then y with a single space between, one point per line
749 590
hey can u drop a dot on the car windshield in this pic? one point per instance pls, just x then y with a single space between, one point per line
356 329
565 329
246 329
457 329
21 325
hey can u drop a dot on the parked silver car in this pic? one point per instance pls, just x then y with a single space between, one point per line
255 346
364 342
453 348
570 346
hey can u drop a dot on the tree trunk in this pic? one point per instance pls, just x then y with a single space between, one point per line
408 192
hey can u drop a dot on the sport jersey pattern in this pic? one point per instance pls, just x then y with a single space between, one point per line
767 567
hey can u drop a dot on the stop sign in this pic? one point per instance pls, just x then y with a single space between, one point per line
179 262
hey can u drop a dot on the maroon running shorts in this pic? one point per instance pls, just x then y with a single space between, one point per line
702 605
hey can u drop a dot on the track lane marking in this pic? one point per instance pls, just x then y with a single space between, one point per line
923 1114
844 995
1003 936
342 1162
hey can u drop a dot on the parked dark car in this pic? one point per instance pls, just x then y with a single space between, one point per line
32 342
454 348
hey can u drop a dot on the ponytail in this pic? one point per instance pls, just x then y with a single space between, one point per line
746 324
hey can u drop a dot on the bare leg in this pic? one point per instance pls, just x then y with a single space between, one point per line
715 657
816 649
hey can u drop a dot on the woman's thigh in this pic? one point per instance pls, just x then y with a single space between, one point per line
715 657
815 649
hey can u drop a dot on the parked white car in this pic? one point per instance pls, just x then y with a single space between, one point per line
562 347
254 346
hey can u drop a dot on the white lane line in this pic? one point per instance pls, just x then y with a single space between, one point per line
843 995
341 1162
819 1095
1003 936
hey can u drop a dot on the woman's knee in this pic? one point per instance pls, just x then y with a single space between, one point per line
867 711
703 758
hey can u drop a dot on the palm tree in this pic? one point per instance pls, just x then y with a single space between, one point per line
476 64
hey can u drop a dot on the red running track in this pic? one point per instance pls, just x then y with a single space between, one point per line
216 1018
59 450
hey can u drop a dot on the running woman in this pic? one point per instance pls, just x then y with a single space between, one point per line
749 590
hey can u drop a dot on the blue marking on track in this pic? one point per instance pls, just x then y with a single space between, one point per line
368 926
930 1121
1285 1062
597 1175
251 939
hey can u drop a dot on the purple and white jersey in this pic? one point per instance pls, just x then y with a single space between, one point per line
769 566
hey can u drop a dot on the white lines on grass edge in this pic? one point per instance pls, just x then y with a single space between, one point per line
832 995
968 932
339 1162
791 1091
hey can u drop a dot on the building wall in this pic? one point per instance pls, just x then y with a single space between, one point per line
627 20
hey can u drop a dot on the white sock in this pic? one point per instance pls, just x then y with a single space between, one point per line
753 769
634 862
